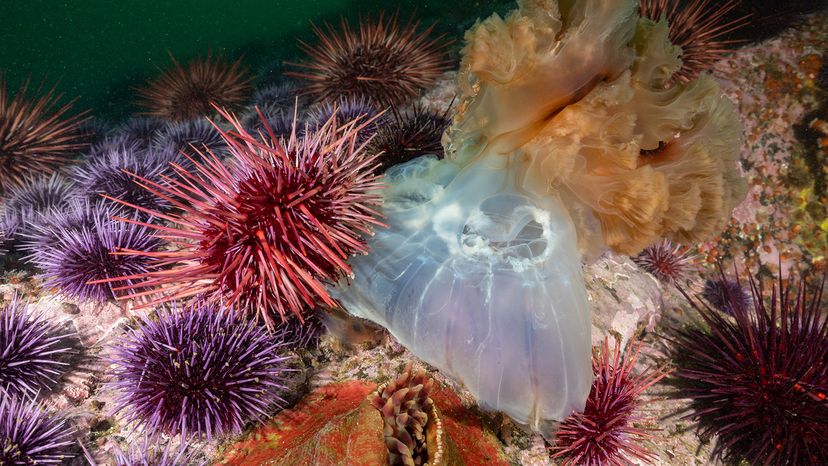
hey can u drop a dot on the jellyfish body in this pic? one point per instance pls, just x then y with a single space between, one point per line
567 141
483 282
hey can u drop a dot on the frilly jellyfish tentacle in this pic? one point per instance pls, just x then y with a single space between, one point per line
484 283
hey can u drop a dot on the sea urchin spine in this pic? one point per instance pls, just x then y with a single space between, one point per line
188 92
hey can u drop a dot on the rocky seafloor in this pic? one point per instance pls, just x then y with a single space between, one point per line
775 86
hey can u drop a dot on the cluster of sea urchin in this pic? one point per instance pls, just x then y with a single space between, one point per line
384 62
266 232
36 137
31 436
604 433
758 378
700 28
203 371
33 349
189 92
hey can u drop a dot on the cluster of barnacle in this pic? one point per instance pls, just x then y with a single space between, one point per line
228 225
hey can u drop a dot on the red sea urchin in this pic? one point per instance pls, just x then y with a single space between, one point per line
266 232
188 92
699 27
199 371
603 434
36 136
384 62
758 378
670 263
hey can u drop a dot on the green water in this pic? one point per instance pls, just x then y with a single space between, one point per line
100 49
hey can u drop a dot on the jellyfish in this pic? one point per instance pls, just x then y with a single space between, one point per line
570 140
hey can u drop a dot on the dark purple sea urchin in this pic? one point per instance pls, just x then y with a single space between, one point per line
200 371
722 293
31 436
31 352
604 433
22 202
190 137
758 378
406 135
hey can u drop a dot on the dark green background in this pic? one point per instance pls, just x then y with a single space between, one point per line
99 49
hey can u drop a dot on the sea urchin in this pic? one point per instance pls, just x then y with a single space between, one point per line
699 27
36 137
87 252
670 263
189 92
31 356
30 436
267 232
383 61
758 378
603 434
201 371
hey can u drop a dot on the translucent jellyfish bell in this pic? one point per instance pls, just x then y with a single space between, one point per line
483 282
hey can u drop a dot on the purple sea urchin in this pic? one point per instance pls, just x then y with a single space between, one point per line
202 371
758 378
404 136
699 27
23 201
346 109
604 433
190 137
31 356
277 97
31 436
112 173
189 92
36 136
82 261
722 293
670 263
266 233
383 61
279 122
141 129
